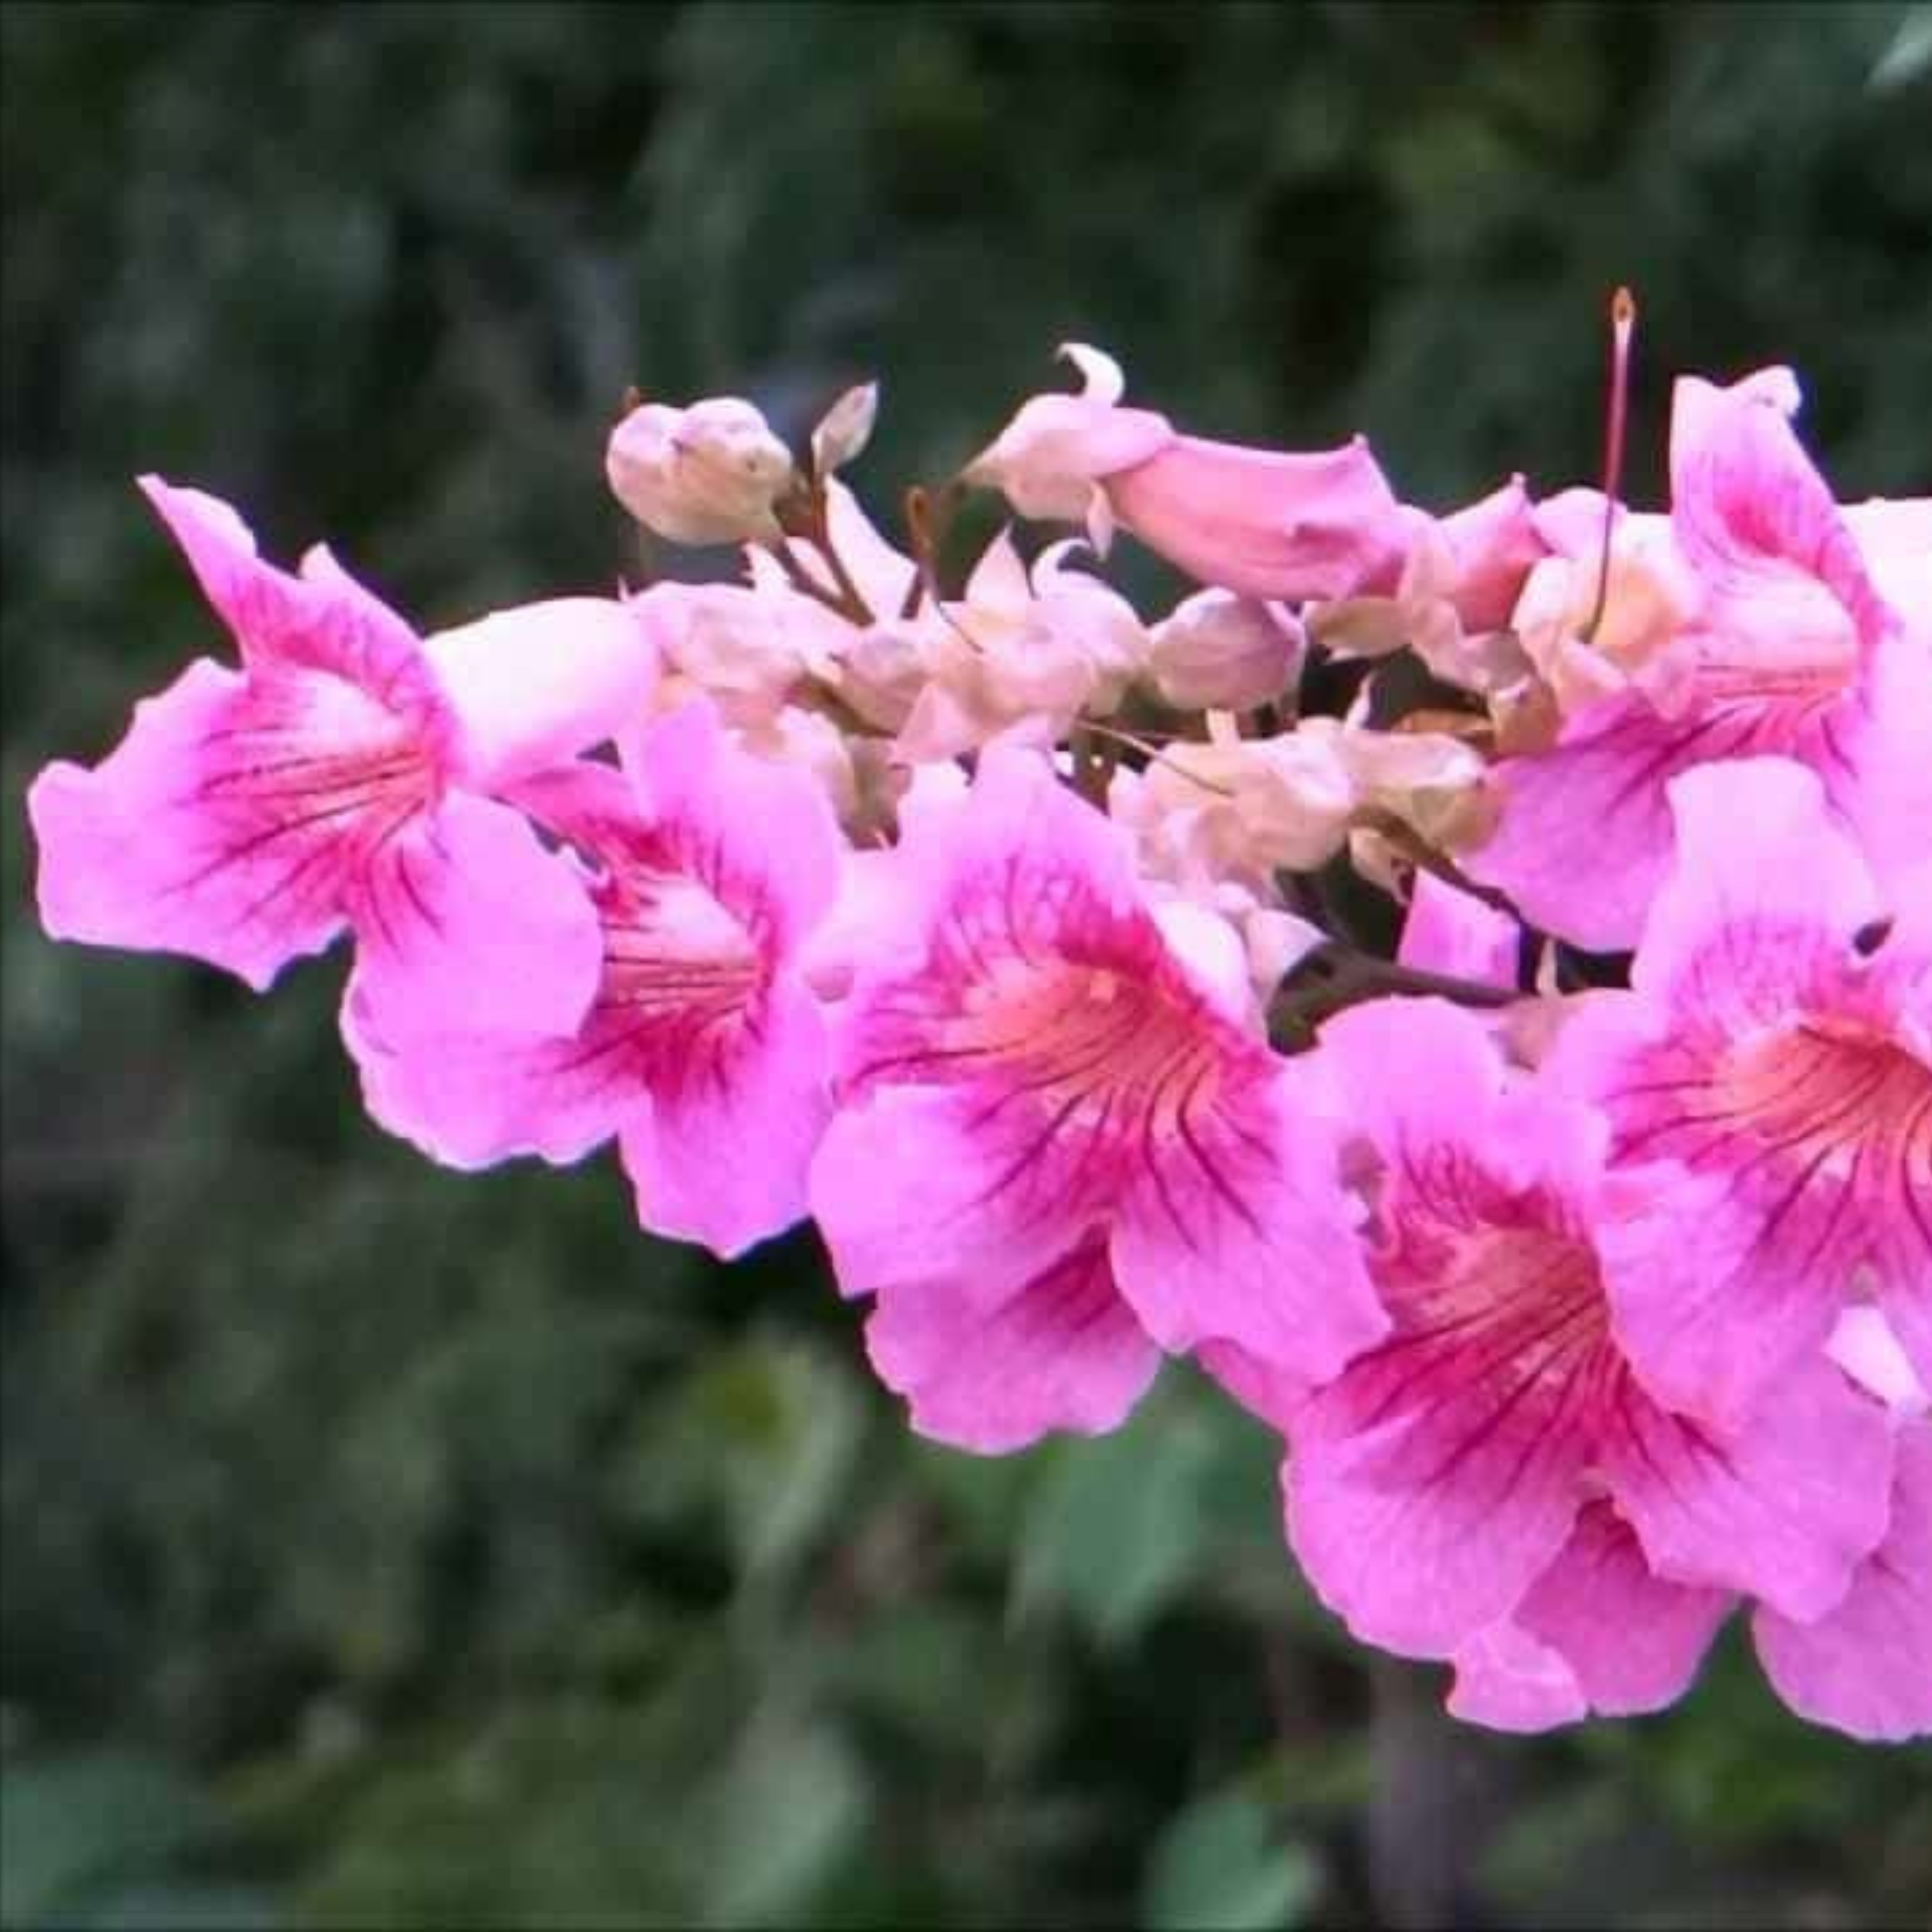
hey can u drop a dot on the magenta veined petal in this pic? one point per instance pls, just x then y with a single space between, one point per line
1769 1073
1032 1057
702 1051
1433 1481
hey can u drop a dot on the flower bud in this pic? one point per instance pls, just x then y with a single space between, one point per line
1219 651
708 474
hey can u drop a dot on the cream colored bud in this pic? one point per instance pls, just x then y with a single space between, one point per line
708 474
1220 651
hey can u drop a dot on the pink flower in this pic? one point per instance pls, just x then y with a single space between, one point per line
1776 1046
1794 651
1433 1483
1266 524
703 1050
1053 1120
1865 1666
246 817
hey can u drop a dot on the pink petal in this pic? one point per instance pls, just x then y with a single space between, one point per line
1238 1230
1062 1351
760 836
1871 754
1783 1510
1634 1640
1449 930
911 1185
1267 1393
1760 868
1598 1631
1496 544
465 923
1608 774
1758 523
537 684
1506 1680
1265 523
230 823
1865 1666
724 1159
322 621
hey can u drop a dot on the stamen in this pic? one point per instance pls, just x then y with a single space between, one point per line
1623 327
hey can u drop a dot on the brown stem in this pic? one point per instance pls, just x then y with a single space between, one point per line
1338 977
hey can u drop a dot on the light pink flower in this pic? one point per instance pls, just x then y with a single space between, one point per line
1031 1071
247 817
1442 1473
1267 524
1793 651
703 1050
1776 1046
1450 931
1865 1666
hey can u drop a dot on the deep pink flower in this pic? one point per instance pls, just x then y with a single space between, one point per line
1794 651
1268 523
1775 1048
1032 1072
246 817
1432 1483
703 1050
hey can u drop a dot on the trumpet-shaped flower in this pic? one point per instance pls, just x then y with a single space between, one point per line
1267 524
1032 1072
1776 1047
1792 650
1433 1482
247 817
703 1050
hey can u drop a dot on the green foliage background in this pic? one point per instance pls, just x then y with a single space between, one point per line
385 1546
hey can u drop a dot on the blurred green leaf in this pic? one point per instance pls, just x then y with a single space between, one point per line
71 1828
1116 1524
1215 1868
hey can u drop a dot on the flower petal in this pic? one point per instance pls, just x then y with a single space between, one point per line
1061 1351
465 923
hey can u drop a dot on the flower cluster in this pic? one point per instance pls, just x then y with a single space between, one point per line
1580 1252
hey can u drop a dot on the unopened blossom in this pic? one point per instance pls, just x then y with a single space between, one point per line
1217 652
747 649
1267 524
1776 1048
1793 650
842 432
1451 604
1434 1481
1032 649
1049 1114
703 1051
1238 809
248 816
711 473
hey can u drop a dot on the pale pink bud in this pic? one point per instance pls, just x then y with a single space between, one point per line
708 474
1217 651
845 429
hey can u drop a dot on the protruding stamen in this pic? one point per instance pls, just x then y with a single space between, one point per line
1623 327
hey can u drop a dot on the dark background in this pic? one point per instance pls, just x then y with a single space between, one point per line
387 1546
